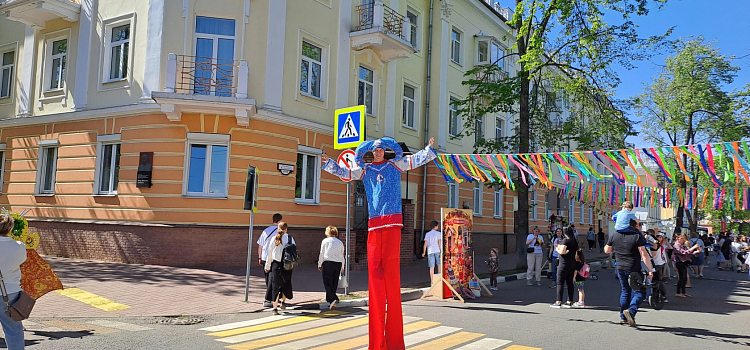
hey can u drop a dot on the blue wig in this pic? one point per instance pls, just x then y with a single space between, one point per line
369 146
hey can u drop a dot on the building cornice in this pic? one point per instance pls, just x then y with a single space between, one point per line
271 116
88 114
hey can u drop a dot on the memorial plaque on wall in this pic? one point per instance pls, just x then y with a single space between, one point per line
145 167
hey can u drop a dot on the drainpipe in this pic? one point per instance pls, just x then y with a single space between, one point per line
427 115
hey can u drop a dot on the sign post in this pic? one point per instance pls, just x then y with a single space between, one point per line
346 159
251 203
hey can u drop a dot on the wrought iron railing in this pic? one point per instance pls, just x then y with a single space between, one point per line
392 21
206 76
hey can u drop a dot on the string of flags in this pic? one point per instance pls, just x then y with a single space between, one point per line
722 163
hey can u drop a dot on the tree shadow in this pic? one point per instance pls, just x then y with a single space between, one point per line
51 336
699 333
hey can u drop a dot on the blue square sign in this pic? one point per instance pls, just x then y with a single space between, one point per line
349 127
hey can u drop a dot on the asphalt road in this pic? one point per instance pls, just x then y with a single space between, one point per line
716 318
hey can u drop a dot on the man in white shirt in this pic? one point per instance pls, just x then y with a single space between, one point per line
268 234
432 248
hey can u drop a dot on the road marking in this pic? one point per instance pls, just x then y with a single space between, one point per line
227 326
278 323
80 327
449 341
300 335
240 338
119 325
328 338
92 299
521 347
363 340
429 334
485 344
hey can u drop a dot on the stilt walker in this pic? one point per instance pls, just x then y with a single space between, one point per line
382 182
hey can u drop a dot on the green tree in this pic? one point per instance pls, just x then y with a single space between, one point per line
566 51
687 103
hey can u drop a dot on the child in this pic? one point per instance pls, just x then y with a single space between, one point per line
625 220
493 264
580 277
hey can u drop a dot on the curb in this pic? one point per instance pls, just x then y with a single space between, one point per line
406 295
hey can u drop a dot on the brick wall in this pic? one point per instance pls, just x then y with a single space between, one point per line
407 232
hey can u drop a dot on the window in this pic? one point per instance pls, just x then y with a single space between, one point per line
479 129
306 190
2 166
497 55
409 107
413 29
47 168
489 51
311 70
453 118
108 168
7 62
214 56
499 129
207 171
483 52
366 89
591 216
56 60
581 214
456 46
118 49
478 198
452 194
498 212
532 195
571 211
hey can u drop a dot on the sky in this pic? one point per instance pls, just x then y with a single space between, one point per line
727 22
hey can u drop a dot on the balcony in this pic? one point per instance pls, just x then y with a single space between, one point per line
383 30
205 85
36 13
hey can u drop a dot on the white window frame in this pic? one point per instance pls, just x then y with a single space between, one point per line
107 51
581 214
371 112
310 61
591 216
406 101
208 140
49 58
456 46
489 41
499 128
215 49
11 69
105 140
453 117
533 205
44 147
453 197
571 211
414 28
479 129
499 201
477 198
309 152
2 166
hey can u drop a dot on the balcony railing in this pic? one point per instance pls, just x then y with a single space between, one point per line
377 14
195 75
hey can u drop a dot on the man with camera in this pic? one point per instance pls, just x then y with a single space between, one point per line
629 247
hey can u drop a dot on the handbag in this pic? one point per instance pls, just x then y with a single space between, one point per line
21 308
290 256
343 282
530 249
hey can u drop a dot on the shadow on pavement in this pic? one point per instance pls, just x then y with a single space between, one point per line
738 339
50 336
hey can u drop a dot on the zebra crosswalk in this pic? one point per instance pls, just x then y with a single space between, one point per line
344 330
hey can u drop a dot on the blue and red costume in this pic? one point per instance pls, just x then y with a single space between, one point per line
382 182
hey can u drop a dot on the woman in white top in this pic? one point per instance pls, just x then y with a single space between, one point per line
12 255
554 256
280 280
534 255
330 263
661 270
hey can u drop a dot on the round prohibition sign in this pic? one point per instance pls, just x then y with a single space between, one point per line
346 160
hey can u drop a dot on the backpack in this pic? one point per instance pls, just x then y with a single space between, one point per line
584 271
726 247
290 256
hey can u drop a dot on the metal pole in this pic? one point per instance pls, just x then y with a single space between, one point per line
348 235
249 255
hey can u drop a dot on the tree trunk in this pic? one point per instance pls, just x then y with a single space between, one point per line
522 190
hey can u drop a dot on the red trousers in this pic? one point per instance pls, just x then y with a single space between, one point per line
386 326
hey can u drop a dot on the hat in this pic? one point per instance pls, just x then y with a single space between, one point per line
661 234
369 146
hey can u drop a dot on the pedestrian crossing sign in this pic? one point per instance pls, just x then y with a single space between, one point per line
349 127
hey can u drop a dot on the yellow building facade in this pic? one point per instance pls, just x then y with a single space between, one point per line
93 92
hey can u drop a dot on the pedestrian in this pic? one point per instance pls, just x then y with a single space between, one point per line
566 270
263 240
534 256
661 270
736 250
581 272
382 182
697 262
330 263
493 264
629 248
280 279
554 256
591 238
726 252
12 255
743 254
600 236
682 256
624 217
432 248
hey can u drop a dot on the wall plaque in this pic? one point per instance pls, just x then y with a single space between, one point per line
145 166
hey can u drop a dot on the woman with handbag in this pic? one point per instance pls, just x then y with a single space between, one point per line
12 255
279 278
330 263
681 256
534 255
566 270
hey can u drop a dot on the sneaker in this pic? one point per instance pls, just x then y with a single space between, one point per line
334 304
623 322
556 306
528 283
539 283
629 318
553 285
578 305
701 275
275 312
666 300
566 306
283 305
493 288
267 303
